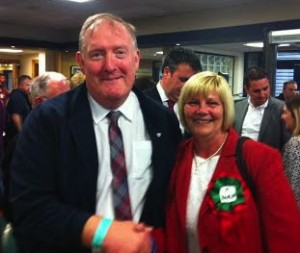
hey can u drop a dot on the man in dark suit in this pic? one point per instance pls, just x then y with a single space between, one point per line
289 90
177 67
259 116
62 192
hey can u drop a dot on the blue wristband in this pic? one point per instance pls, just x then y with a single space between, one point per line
153 246
101 232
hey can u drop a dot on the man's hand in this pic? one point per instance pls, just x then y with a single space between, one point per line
127 237
122 236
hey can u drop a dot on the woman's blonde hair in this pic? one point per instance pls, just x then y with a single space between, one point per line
203 84
77 79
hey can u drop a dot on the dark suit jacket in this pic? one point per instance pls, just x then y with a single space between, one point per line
272 130
153 93
55 170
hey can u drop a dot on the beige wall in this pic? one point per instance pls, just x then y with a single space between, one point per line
68 60
26 63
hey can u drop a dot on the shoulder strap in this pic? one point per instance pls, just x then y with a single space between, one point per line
242 165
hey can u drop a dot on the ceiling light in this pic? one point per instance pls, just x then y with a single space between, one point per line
10 50
286 32
284 36
79 1
261 44
284 45
254 44
159 52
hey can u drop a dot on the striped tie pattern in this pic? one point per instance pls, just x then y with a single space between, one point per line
121 200
171 104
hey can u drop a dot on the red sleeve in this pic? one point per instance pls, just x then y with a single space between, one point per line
159 237
277 207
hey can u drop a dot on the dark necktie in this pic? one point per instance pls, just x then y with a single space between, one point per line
171 104
121 200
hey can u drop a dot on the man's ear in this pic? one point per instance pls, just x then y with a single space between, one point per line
37 100
166 71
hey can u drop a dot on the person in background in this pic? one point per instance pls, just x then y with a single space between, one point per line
289 90
77 79
291 150
47 86
177 67
18 107
259 116
42 88
4 93
2 124
65 194
144 83
210 207
17 110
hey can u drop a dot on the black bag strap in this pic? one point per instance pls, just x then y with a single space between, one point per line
242 165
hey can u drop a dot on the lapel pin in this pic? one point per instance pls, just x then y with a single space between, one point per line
158 134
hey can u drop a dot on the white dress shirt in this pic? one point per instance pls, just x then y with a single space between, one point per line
138 152
165 99
162 94
253 119
202 171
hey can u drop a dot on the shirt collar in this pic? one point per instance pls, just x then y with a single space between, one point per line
161 92
263 106
127 108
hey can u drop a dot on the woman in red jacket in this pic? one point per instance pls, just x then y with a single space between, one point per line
210 206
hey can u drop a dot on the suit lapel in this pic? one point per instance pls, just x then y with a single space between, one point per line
84 136
241 116
266 118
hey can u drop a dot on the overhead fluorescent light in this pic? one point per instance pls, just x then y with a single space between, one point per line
261 44
79 1
159 52
10 50
284 45
254 44
284 36
286 32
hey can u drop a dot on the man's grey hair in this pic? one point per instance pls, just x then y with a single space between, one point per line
40 83
93 21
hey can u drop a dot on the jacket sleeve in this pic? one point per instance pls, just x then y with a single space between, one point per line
39 211
279 215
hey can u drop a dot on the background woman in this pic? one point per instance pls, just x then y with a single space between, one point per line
210 207
291 150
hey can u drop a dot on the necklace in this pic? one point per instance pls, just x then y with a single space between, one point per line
197 165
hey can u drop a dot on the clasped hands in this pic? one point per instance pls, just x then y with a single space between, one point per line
127 237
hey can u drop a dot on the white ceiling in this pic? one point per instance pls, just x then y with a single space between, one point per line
61 18
60 14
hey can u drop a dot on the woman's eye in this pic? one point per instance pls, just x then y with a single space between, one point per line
212 103
192 103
